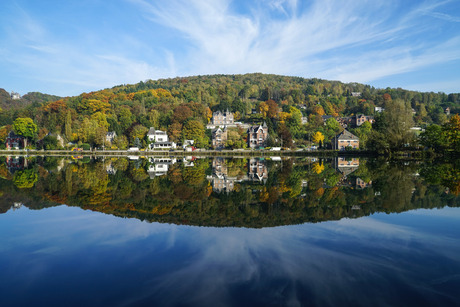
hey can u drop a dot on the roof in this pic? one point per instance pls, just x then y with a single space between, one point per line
152 131
346 135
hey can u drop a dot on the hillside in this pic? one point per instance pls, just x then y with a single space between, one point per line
6 102
183 106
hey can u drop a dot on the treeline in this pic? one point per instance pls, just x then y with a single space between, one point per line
183 107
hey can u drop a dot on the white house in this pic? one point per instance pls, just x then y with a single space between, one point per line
157 135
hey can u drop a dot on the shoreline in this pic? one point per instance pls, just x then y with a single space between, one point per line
218 153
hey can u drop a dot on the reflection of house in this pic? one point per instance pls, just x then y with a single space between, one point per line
219 179
14 141
222 118
16 163
110 136
159 166
346 166
110 169
345 139
219 166
257 136
219 137
361 184
257 170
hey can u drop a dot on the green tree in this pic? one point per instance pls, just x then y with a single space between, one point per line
68 126
25 127
399 120
434 137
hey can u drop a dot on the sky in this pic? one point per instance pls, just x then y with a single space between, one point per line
69 47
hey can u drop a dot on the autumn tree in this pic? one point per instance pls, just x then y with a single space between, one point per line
194 130
182 113
318 138
138 132
452 132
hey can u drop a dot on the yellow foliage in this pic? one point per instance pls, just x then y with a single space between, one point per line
318 137
284 116
318 168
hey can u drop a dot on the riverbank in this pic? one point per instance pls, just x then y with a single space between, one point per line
213 153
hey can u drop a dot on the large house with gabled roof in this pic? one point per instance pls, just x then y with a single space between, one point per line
344 140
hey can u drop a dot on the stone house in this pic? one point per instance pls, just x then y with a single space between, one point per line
257 136
222 118
219 138
110 136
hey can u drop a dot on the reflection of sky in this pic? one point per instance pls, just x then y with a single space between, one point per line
78 257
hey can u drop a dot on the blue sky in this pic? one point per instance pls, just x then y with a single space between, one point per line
69 47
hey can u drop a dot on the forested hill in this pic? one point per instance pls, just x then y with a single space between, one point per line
183 106
7 102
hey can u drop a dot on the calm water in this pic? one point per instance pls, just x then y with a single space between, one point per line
228 232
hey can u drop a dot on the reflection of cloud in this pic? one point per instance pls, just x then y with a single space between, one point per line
345 262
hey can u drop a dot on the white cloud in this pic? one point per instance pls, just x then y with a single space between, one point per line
348 41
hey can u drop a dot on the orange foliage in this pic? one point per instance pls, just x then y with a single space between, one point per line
55 106
318 109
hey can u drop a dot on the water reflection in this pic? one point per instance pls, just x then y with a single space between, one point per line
249 192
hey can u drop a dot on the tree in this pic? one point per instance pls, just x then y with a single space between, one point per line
399 120
452 131
68 126
194 130
318 137
182 113
25 127
434 137
138 132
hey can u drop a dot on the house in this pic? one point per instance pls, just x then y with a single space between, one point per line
15 96
14 141
219 138
447 111
110 136
222 118
345 121
257 136
157 135
355 94
378 109
361 119
345 139
187 143
162 145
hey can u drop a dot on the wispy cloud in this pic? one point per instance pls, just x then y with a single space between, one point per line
348 41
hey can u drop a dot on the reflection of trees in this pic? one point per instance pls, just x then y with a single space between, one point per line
185 197
25 179
446 174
